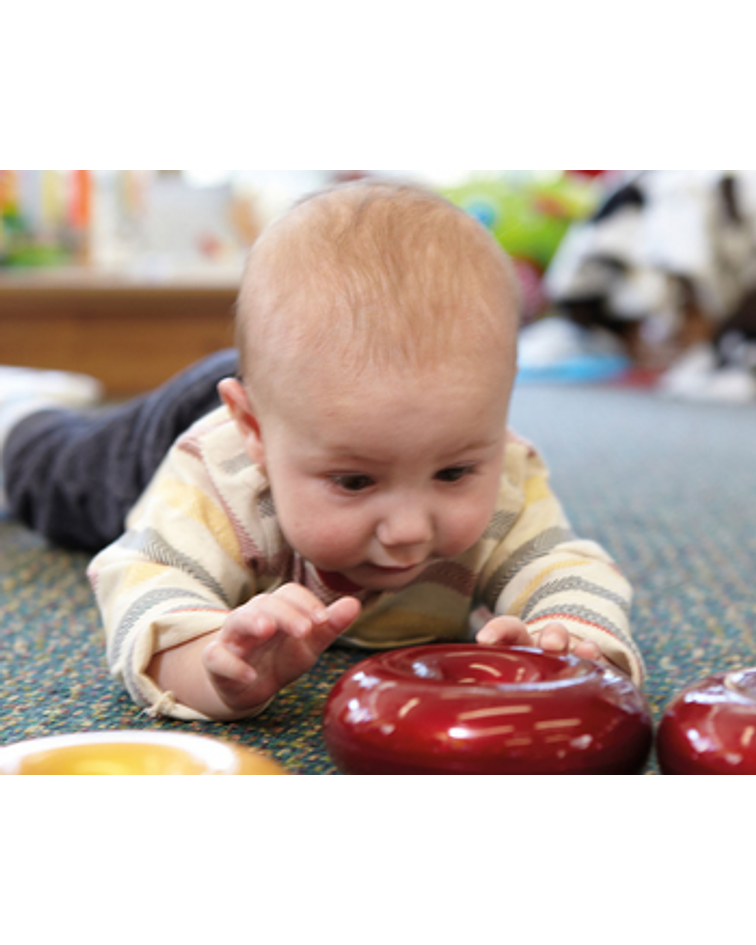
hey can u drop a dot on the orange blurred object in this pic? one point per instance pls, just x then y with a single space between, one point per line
81 199
128 753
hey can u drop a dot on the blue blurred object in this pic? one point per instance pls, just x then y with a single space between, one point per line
557 350
583 369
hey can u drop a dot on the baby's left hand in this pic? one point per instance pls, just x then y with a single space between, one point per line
553 638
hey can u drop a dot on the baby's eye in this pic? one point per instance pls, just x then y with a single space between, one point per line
453 473
355 482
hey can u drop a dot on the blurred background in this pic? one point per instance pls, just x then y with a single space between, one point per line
643 277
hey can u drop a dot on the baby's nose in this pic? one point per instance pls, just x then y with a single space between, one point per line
406 524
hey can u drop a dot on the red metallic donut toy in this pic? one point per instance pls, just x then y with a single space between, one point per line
463 708
710 727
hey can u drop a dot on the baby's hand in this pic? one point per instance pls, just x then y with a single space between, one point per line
270 641
554 638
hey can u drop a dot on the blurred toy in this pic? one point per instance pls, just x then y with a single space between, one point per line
667 264
8 204
528 215
45 217
587 173
133 752
556 350
345 177
8 190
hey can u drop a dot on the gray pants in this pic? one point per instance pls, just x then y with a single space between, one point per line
72 476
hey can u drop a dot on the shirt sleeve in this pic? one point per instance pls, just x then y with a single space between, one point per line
172 577
541 572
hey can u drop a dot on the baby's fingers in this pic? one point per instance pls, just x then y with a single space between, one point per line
555 638
303 607
265 615
248 627
222 662
509 631
588 650
342 613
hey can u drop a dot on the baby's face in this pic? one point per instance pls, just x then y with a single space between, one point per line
377 478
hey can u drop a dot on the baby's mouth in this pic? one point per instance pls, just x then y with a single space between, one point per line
397 569
370 577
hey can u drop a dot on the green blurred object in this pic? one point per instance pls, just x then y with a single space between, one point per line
20 247
42 220
530 214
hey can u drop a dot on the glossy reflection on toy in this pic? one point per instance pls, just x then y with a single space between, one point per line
710 727
474 709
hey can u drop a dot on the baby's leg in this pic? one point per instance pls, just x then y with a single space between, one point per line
27 391
73 475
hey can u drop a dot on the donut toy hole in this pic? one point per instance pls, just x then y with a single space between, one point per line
466 667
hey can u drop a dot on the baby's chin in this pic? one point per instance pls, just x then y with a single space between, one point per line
372 577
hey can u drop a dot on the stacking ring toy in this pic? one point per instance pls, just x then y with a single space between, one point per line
132 753
475 709
710 727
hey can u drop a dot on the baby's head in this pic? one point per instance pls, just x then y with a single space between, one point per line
377 334
377 277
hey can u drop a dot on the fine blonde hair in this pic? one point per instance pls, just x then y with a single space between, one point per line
385 275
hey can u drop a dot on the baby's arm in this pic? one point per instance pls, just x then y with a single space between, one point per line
188 577
262 646
571 598
546 587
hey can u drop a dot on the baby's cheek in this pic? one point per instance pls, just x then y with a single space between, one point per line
328 544
464 530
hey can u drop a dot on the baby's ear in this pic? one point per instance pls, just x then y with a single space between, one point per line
235 397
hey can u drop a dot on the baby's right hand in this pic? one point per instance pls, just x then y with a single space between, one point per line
270 641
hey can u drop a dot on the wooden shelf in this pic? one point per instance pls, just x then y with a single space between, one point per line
129 331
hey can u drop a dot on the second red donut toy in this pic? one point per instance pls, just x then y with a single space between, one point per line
710 727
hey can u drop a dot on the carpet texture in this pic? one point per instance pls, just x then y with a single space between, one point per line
667 488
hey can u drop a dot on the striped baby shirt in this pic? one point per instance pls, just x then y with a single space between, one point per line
204 538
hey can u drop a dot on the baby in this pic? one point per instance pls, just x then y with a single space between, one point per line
359 481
